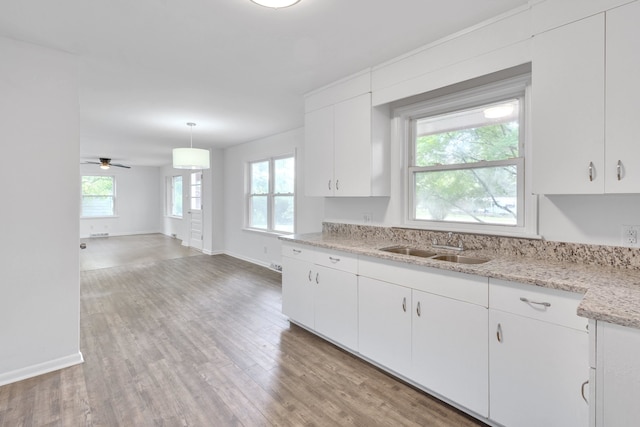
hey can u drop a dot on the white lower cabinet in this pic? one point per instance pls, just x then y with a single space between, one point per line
384 327
617 376
536 368
320 292
297 290
514 354
450 350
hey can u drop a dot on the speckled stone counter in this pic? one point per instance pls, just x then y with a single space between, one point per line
609 277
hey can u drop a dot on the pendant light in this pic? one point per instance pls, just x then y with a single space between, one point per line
190 158
276 4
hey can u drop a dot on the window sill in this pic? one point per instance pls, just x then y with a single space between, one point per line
266 232
174 217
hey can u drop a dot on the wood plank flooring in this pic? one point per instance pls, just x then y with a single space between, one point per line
200 341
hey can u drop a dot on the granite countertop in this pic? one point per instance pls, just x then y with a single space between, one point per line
610 294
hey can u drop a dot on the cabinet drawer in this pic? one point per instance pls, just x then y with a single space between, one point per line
548 305
337 260
300 252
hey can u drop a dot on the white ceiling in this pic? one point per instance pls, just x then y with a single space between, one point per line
238 70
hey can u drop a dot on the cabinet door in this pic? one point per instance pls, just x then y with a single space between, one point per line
568 109
336 306
384 315
298 281
353 146
623 100
318 149
450 354
536 370
618 371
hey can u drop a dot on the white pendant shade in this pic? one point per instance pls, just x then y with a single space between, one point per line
190 158
276 4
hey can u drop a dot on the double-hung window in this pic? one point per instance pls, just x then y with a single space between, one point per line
271 195
466 160
98 196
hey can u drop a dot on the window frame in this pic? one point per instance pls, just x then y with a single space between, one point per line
171 196
518 87
113 197
271 195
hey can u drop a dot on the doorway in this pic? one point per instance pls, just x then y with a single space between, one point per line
196 232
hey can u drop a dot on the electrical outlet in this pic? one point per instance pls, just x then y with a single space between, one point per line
630 235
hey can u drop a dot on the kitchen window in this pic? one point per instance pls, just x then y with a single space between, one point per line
271 195
98 196
466 160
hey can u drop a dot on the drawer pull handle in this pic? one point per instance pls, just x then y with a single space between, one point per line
329 184
528 301
317 278
619 170
590 171
404 304
418 310
309 275
297 251
499 332
584 384
334 260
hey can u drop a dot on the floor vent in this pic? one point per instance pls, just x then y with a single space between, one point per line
276 267
99 235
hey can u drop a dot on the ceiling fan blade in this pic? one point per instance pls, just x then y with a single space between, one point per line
119 165
91 163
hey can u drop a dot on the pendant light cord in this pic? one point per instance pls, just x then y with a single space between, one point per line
191 125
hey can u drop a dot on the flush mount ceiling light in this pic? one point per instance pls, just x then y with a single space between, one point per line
276 4
190 158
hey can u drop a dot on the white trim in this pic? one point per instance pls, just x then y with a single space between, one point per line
251 260
41 368
129 233
454 36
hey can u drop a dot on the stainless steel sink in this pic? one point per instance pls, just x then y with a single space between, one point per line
461 259
403 250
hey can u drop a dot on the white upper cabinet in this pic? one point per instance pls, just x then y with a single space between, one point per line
568 109
585 81
318 161
346 142
622 170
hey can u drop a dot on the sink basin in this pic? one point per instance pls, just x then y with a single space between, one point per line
461 259
403 250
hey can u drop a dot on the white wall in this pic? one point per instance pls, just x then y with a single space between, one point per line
257 247
39 288
139 202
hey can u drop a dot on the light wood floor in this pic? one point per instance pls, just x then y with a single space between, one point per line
200 341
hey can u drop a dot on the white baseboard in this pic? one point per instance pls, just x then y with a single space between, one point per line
244 258
40 368
129 233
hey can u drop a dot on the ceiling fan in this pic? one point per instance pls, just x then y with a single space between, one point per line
106 164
